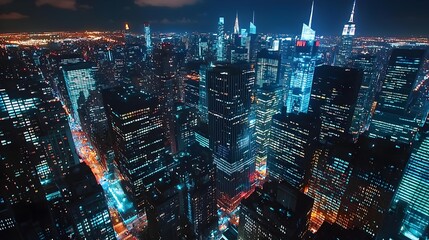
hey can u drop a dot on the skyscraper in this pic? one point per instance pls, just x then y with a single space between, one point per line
330 176
137 130
394 117
252 27
167 80
184 122
198 174
414 191
86 204
353 184
298 89
163 209
333 99
35 147
94 123
220 45
236 25
192 90
267 105
277 211
229 105
203 94
267 68
292 141
346 46
34 128
253 43
79 79
362 116
377 168
148 38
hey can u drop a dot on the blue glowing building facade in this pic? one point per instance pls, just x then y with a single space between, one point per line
148 38
414 192
220 46
298 88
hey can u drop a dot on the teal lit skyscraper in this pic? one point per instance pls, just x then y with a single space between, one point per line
221 50
298 88
148 38
252 27
414 191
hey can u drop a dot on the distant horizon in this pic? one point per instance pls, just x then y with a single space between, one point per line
372 18
204 32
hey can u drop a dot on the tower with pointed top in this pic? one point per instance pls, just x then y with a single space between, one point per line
252 27
253 47
236 25
346 46
298 88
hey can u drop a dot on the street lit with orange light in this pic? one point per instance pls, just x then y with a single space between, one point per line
126 223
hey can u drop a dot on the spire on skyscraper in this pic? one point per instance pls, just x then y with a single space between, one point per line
236 26
353 13
252 28
311 15
308 33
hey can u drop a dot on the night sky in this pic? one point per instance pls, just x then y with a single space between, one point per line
373 17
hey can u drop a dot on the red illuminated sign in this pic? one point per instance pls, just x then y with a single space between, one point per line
301 43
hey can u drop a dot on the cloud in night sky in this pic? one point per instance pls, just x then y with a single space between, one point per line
4 2
12 16
63 4
165 3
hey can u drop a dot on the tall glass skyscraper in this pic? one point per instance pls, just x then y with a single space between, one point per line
202 101
414 191
79 79
229 105
298 89
148 38
267 68
346 46
267 105
220 46
392 118
166 78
